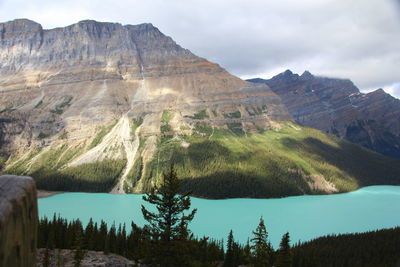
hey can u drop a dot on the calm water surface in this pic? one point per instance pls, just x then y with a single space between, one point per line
304 217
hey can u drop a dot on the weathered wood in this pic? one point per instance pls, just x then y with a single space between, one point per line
18 221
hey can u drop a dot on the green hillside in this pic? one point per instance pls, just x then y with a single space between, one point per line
223 163
50 171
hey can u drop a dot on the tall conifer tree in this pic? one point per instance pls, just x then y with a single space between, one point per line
260 247
284 258
89 235
78 244
230 251
165 225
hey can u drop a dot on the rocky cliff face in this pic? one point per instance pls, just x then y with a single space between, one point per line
18 221
337 106
94 91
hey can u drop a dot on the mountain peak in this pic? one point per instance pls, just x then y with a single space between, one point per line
287 72
145 25
88 21
22 21
95 22
286 75
94 25
18 26
307 75
378 92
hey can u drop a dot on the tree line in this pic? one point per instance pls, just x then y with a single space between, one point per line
88 177
370 249
136 244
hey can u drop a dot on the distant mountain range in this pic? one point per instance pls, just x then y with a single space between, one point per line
338 107
107 107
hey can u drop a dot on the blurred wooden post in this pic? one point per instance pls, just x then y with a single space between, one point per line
18 221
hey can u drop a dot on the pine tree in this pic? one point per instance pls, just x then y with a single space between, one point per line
106 248
284 258
229 255
247 253
139 243
166 224
260 247
112 239
103 238
89 235
238 257
122 241
78 244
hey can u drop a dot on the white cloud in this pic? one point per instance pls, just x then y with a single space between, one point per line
393 89
354 39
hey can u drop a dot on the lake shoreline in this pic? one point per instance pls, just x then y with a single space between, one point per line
45 193
304 217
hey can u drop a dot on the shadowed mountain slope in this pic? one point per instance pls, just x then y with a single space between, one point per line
336 106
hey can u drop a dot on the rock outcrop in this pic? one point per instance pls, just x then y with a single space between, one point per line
65 258
18 221
337 106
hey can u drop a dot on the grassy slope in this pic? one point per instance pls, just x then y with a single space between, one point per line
228 165
50 171
224 163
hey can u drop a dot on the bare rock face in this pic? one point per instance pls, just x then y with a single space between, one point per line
337 106
89 74
62 86
18 221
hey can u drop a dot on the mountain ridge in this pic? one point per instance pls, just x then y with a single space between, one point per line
338 107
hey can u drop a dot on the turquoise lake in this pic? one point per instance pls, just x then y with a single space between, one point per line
304 217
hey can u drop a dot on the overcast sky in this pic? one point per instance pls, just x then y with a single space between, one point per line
356 39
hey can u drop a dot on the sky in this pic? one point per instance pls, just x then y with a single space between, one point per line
355 39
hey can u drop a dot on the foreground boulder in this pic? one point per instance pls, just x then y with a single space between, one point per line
18 221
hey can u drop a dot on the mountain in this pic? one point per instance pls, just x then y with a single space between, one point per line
107 107
337 106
